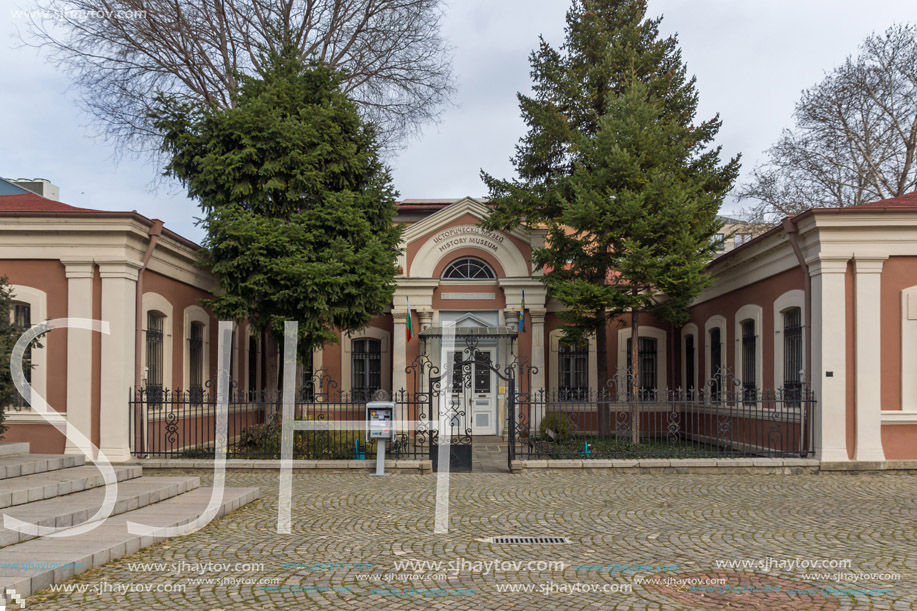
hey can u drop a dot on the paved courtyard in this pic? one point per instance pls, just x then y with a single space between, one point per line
635 542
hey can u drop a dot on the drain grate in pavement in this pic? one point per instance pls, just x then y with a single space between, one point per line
531 540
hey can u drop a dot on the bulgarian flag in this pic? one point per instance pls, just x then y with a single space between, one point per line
410 321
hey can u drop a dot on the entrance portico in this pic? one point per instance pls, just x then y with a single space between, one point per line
458 276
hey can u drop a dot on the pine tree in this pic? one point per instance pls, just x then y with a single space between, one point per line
299 209
618 171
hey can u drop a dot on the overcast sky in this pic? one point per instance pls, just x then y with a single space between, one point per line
752 58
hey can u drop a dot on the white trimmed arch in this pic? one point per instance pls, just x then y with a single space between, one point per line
754 313
157 303
791 299
193 314
429 256
37 300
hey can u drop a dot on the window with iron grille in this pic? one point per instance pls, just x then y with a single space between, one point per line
468 268
154 354
646 372
21 314
573 372
689 365
196 362
716 362
252 364
792 356
749 353
367 367
307 383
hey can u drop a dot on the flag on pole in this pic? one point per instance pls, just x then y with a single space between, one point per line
410 321
522 313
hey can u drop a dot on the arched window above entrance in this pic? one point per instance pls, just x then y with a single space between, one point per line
468 268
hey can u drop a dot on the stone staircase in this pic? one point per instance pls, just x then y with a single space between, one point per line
63 491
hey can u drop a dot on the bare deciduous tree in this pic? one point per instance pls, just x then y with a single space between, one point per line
122 52
855 137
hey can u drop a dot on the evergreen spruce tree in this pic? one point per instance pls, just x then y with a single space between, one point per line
621 174
298 208
9 334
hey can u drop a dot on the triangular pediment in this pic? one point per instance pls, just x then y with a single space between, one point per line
443 218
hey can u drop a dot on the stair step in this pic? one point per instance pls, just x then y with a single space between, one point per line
72 555
50 484
10 448
28 464
80 506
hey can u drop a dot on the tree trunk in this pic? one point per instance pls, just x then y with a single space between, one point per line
601 364
272 369
635 376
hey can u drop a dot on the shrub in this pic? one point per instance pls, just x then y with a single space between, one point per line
557 422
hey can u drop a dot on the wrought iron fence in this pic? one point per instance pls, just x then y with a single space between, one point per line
182 423
725 418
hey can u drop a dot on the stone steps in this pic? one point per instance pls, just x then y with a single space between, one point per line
78 507
64 557
8 448
17 465
51 484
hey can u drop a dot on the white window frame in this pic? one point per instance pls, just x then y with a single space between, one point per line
347 356
662 361
755 313
192 314
791 299
158 303
714 322
689 329
908 357
37 300
554 362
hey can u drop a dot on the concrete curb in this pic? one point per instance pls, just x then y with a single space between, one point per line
715 465
324 466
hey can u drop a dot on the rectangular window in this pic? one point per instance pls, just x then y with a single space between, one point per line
367 368
196 362
308 384
689 366
573 372
716 363
742 238
646 372
252 364
154 356
21 314
792 356
749 353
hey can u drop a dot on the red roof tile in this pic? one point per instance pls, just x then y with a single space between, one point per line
30 202
908 200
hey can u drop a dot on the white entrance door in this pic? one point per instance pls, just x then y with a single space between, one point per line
483 395
475 397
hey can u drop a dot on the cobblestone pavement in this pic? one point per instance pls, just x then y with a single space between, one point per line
625 528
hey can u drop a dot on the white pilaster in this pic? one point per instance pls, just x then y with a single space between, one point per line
119 283
538 349
79 350
868 359
829 356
